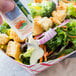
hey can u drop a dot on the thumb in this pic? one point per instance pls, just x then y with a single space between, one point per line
6 5
1 21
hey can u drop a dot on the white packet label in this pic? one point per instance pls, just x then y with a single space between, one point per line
19 22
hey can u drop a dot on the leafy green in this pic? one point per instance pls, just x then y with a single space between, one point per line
74 41
4 27
71 31
71 10
71 27
65 52
42 9
28 53
5 24
25 57
59 40
63 39
25 60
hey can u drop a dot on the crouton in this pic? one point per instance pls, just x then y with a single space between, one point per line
13 49
45 23
60 13
37 29
4 39
15 36
41 24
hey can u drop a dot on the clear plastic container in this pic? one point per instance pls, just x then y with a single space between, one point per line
19 20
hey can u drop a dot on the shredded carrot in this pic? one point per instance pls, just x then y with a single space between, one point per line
72 36
61 56
66 1
37 38
44 49
41 59
50 53
45 53
64 27
45 56
34 38
38 1
41 46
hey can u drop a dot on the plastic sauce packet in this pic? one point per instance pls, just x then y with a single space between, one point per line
19 20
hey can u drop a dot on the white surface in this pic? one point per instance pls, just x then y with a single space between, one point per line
10 68
64 68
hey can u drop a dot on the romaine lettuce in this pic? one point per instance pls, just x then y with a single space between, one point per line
42 9
71 28
71 10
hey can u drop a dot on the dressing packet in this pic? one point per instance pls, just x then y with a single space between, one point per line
19 20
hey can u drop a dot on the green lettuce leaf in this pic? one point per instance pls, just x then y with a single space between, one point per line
4 27
59 40
71 27
71 10
42 9
28 53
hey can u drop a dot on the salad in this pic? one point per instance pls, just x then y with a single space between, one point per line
54 33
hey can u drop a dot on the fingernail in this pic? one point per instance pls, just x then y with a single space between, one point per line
1 21
7 6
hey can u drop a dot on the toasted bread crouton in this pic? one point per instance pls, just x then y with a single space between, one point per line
15 36
41 24
37 29
4 39
60 13
13 49
45 23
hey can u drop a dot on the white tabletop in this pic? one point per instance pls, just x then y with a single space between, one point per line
10 68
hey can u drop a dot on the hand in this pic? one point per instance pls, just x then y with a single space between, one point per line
5 6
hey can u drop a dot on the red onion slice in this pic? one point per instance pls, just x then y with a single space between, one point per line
64 23
50 33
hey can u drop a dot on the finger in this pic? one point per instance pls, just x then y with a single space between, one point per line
1 21
6 5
